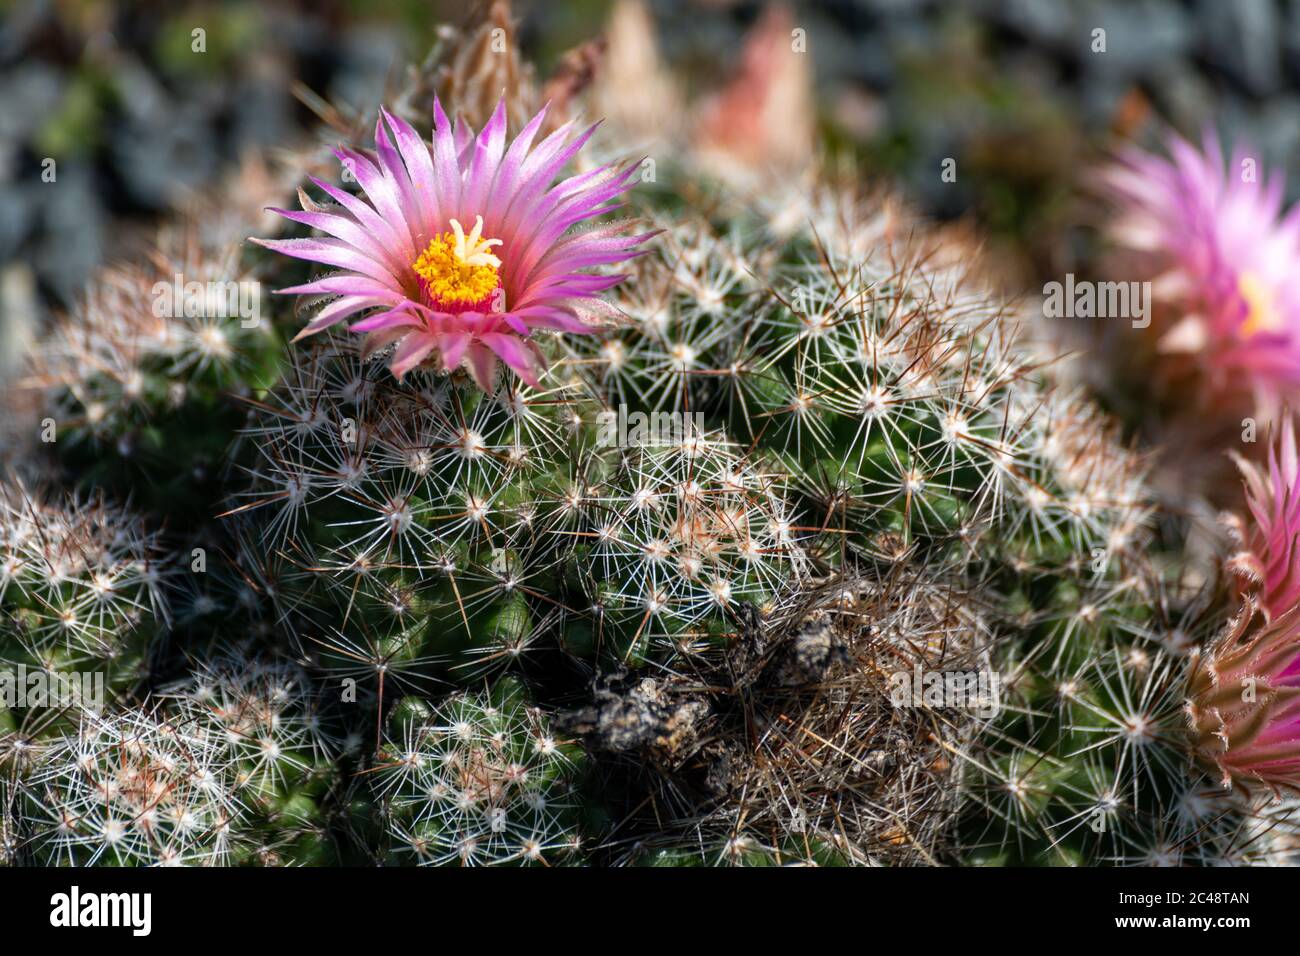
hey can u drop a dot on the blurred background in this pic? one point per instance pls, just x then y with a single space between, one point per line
1013 90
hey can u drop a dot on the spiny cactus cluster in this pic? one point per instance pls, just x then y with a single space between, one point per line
478 780
137 375
229 769
805 557
82 589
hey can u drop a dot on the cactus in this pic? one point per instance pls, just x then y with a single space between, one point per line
135 382
789 546
83 590
859 411
130 789
478 780
229 769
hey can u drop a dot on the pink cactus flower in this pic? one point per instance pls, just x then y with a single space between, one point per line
464 247
1244 701
1244 705
1223 256
1269 557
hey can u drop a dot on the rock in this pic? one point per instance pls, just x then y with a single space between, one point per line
368 56
1141 36
70 243
173 152
18 208
1040 21
1243 38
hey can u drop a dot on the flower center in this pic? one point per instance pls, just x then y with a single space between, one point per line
458 269
1261 311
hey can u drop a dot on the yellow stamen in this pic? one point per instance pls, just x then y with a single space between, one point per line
1261 311
459 269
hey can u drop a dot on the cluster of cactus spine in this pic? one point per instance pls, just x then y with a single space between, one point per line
478 780
229 769
138 376
82 590
509 633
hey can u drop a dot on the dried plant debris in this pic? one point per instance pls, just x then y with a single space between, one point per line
791 743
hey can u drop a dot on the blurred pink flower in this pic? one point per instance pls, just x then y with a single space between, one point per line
1269 559
465 247
1244 704
763 121
1223 254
